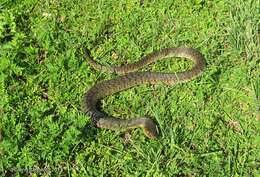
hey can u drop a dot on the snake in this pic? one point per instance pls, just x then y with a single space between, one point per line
130 78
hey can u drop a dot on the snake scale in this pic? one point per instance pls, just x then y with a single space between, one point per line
131 79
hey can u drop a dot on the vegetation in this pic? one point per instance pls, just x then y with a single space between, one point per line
209 126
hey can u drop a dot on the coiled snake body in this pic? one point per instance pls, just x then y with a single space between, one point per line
131 79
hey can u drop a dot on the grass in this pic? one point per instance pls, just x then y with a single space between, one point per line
209 126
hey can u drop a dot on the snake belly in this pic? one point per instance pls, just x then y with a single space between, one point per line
133 78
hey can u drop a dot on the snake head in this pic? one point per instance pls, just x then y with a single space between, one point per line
150 129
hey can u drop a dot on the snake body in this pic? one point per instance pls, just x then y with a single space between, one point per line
131 79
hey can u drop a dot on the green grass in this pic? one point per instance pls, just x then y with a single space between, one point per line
209 126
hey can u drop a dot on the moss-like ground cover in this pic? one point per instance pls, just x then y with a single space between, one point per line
209 126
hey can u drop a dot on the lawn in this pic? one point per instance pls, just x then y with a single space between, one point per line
209 126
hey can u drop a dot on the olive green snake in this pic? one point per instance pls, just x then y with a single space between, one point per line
130 79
